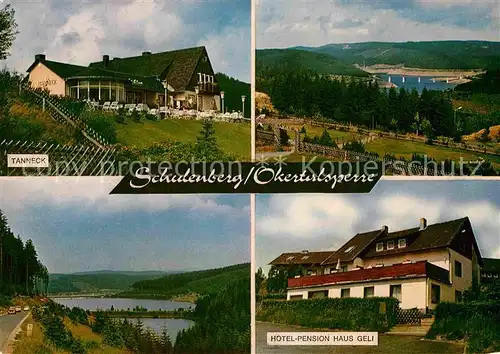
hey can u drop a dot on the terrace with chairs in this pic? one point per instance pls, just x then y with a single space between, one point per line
164 112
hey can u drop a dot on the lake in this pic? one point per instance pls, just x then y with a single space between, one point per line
411 82
174 325
93 304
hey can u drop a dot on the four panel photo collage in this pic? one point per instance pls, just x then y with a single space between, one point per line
249 176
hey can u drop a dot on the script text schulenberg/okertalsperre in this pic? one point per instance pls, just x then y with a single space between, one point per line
260 175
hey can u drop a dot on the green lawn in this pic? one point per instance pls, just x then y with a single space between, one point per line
407 148
313 131
233 138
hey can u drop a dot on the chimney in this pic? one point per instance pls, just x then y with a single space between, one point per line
40 57
423 224
146 53
385 229
305 251
105 60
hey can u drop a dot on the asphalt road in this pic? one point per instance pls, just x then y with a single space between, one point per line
7 324
388 344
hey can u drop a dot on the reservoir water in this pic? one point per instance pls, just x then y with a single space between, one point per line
173 325
411 82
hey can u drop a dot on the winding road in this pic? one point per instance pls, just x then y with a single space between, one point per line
8 324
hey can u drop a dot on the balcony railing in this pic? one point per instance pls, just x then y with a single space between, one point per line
396 271
208 87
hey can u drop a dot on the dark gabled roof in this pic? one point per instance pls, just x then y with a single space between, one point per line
178 65
62 70
433 236
69 71
355 246
302 258
491 265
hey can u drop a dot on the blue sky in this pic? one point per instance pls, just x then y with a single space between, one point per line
82 31
320 22
76 226
292 223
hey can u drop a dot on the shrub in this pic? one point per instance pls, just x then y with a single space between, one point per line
103 123
478 323
22 122
343 313
355 146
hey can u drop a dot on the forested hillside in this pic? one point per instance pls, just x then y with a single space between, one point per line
488 83
105 280
223 324
199 282
21 272
426 55
234 89
269 61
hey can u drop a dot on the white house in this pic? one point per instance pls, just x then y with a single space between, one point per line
421 266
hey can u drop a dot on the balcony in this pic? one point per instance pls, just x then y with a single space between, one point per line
397 271
208 87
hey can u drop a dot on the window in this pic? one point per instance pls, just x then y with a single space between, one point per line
390 245
368 291
305 257
318 294
395 291
402 243
349 249
290 258
380 246
435 294
458 269
345 293
344 268
458 296
311 272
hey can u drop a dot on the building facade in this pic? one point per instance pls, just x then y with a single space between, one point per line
184 78
421 267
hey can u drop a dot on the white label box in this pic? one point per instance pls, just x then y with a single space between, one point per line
322 338
27 160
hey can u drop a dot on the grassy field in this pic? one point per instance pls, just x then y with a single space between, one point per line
337 135
405 149
233 138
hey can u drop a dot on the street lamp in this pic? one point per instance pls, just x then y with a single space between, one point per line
243 105
222 98
165 86
197 91
455 117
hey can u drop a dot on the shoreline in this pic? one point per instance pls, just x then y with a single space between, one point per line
437 73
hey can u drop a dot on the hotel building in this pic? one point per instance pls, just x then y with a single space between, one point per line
421 266
184 77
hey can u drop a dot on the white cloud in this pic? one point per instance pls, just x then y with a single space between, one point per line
305 216
92 193
316 23
81 33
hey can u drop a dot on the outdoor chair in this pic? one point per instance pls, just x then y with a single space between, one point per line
114 105
106 105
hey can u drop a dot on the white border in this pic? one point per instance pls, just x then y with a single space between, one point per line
253 332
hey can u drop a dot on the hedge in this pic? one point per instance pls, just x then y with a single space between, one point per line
477 323
354 314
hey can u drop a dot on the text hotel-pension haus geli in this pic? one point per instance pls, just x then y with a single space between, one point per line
186 77
420 267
